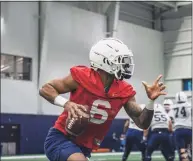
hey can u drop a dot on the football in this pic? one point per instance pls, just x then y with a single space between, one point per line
76 126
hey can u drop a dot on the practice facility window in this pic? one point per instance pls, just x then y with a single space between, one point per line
187 84
16 67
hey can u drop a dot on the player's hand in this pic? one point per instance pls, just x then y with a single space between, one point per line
75 110
156 89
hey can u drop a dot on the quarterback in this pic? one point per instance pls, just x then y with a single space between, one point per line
98 93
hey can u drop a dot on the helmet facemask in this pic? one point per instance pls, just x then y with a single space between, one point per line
167 107
168 104
123 67
181 97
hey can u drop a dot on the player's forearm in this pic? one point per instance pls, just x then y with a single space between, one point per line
126 126
48 92
145 133
170 127
142 118
145 118
125 129
143 121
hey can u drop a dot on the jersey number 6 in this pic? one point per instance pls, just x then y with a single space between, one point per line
99 116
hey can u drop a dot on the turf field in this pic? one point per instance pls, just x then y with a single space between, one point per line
135 156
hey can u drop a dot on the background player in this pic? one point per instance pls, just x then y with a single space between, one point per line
168 105
122 142
182 125
100 88
134 136
159 137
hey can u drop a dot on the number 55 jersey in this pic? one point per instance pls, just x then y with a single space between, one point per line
182 114
103 106
160 118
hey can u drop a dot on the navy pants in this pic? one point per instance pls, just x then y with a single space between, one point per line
172 140
172 143
134 137
59 147
183 139
160 139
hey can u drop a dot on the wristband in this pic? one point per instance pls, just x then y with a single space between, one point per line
60 101
150 105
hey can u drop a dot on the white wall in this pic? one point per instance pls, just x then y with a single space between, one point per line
147 47
69 34
20 38
178 52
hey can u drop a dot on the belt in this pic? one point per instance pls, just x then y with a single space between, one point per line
158 130
182 127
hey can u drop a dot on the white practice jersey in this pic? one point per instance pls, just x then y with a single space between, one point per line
171 114
182 113
160 118
132 124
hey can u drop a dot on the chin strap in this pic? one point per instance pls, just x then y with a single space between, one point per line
106 89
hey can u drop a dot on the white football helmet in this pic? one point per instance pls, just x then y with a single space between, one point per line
181 97
112 56
158 106
168 104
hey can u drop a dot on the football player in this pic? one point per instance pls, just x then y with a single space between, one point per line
168 105
182 125
102 89
122 142
134 136
159 137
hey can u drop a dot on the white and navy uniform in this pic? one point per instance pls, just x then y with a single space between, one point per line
134 136
172 138
159 136
160 119
182 115
182 124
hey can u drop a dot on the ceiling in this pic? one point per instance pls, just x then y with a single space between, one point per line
144 13
102 7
